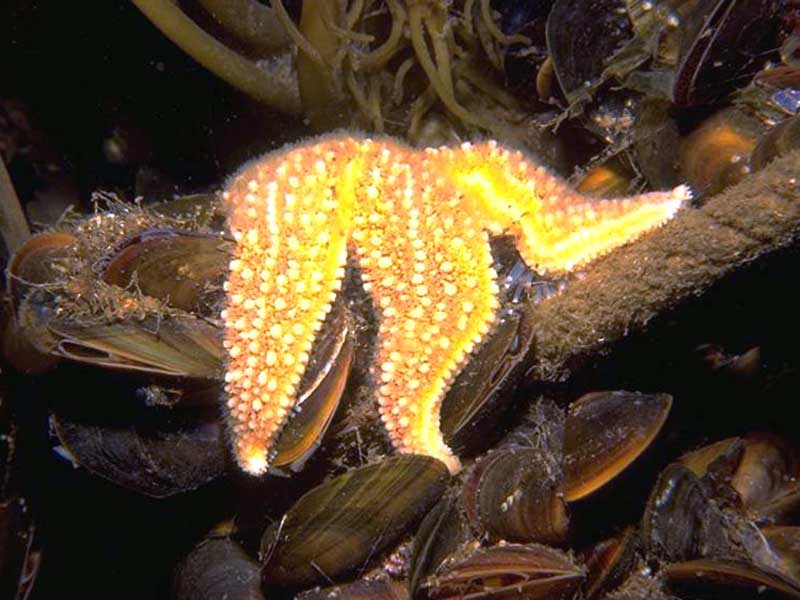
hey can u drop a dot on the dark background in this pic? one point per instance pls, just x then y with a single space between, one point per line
89 73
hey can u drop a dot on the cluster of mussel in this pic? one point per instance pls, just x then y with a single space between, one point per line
713 526
667 92
138 290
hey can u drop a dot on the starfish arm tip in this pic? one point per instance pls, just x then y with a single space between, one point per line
683 193
251 455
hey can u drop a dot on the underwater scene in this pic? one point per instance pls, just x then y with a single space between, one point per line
399 299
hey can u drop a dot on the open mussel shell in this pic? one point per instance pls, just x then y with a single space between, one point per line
760 469
507 571
184 269
321 390
342 524
516 495
377 589
157 455
706 578
116 323
181 346
218 568
604 432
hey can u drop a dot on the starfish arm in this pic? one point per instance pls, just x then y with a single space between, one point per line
585 229
427 264
557 229
291 216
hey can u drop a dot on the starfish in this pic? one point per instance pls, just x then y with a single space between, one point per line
418 224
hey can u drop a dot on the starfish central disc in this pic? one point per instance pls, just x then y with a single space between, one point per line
418 225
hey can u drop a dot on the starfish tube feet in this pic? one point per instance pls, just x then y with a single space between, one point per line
428 265
291 229
556 229
417 223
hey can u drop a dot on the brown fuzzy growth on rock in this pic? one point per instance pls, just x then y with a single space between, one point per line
624 291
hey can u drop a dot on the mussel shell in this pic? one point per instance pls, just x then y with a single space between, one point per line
780 139
77 316
162 455
766 465
641 585
440 534
609 562
178 346
341 525
612 178
699 460
21 346
722 45
655 139
24 341
604 432
784 547
184 269
516 494
717 153
783 507
680 521
378 589
727 579
472 411
508 571
321 390
36 261
218 568
580 39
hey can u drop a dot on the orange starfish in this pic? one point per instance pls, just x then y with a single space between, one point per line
418 224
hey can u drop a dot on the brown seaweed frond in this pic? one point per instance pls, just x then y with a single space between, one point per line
13 225
227 64
389 58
